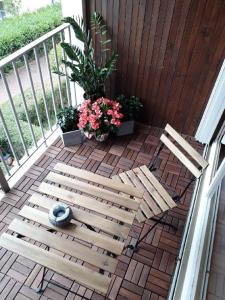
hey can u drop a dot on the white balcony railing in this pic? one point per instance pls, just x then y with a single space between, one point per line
35 59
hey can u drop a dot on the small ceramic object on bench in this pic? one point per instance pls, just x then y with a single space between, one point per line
60 215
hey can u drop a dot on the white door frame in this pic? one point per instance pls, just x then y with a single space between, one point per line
214 109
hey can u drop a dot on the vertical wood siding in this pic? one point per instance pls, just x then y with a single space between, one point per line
170 53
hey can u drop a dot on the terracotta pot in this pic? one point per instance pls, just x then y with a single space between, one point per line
102 137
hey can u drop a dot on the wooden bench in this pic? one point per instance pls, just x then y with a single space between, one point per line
101 218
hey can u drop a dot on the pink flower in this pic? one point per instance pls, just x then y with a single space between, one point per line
103 112
110 112
116 122
95 125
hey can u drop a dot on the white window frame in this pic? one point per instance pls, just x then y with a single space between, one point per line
214 109
217 179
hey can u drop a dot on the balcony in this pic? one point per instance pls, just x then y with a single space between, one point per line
144 275
155 271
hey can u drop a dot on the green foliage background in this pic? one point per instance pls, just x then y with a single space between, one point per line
12 127
16 32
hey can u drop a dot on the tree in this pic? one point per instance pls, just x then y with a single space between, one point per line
12 7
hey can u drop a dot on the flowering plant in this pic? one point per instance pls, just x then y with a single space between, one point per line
99 117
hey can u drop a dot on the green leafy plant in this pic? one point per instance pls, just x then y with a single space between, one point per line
68 119
84 69
131 107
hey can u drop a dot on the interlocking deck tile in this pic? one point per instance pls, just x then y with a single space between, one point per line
145 275
116 150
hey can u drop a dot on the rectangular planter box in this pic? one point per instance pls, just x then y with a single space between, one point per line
72 138
125 128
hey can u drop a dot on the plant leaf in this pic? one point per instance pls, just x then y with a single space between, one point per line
77 28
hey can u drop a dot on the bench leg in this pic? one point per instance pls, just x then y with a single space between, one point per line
40 289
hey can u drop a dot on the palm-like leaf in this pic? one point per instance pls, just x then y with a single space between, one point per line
82 65
77 28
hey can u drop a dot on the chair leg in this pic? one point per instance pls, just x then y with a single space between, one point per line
164 223
40 289
152 165
177 198
157 221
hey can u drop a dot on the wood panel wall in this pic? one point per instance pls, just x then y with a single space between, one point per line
170 53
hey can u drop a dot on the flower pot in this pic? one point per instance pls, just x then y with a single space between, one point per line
88 134
72 138
125 128
102 137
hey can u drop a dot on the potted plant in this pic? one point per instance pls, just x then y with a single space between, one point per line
130 108
90 74
100 118
68 119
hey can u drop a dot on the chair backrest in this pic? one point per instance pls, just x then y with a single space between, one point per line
197 163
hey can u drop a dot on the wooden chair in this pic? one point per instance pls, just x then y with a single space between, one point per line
184 152
156 200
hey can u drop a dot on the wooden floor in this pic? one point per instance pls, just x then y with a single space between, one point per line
143 275
216 286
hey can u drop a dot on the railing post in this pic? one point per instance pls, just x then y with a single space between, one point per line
3 182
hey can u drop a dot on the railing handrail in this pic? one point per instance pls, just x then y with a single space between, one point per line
8 59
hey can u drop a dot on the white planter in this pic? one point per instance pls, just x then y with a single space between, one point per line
72 138
125 128
102 138
88 135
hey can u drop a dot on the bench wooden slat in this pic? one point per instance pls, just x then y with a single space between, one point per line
93 190
108 182
87 202
73 248
76 231
186 146
154 193
184 160
56 263
85 217
166 196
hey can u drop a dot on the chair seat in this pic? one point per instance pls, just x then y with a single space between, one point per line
156 199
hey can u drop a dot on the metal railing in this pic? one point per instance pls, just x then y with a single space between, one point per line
40 97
